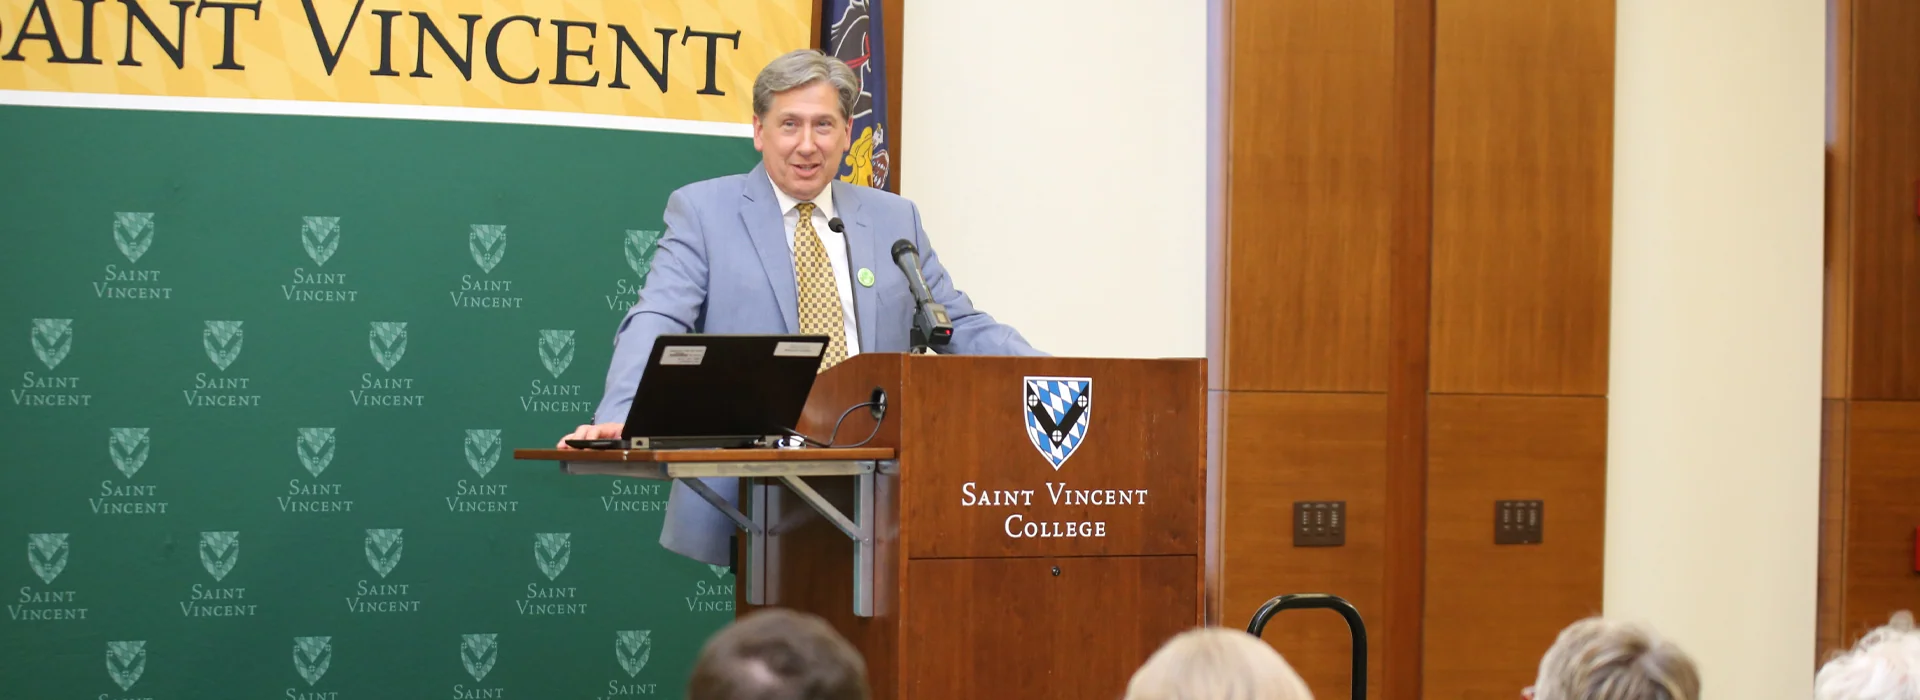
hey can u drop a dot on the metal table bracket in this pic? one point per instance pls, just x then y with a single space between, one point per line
763 551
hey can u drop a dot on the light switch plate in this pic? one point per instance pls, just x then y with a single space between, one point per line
1519 522
1319 523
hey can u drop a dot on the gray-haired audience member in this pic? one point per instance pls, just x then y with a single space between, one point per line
1602 659
778 654
1884 665
1214 663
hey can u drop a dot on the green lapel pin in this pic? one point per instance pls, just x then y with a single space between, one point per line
866 277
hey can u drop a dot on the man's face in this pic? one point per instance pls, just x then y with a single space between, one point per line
802 138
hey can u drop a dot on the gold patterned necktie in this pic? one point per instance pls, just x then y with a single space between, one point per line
820 312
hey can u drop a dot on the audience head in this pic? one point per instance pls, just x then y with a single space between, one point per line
1602 659
1884 665
1215 663
778 654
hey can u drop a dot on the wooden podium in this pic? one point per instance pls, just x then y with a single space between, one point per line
949 548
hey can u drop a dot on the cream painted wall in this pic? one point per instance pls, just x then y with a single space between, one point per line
1057 150
1714 421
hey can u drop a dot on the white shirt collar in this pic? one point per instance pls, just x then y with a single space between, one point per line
822 203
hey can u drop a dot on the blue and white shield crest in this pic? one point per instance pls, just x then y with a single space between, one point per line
1058 413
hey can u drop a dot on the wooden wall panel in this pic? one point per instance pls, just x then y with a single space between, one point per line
1492 610
1883 508
1837 323
1884 184
1833 454
1310 196
1411 256
1418 203
1305 447
1522 203
1837 337
1872 420
1837 352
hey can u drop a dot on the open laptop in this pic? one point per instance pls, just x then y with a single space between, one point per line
702 391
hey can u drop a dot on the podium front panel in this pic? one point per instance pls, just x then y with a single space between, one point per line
1055 456
1013 629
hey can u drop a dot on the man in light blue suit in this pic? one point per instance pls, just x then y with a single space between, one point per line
784 248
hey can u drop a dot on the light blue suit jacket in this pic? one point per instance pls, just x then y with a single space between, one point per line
724 266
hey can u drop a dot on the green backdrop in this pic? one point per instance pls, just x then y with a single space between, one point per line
265 377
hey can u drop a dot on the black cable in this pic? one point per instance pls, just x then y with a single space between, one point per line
875 431
836 427
843 418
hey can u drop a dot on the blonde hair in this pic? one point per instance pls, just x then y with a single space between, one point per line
1601 659
800 68
1213 663
1884 665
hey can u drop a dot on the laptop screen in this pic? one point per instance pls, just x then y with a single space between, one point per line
710 385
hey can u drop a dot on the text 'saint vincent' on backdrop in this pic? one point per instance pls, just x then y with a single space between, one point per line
573 43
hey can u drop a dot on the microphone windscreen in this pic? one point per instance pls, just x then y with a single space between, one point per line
834 223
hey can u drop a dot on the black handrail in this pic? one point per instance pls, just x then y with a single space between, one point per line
1301 601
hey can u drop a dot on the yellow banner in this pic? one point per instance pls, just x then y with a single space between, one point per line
672 59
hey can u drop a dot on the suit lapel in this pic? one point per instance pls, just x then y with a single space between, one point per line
860 256
760 213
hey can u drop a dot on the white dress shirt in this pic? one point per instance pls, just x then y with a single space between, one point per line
836 245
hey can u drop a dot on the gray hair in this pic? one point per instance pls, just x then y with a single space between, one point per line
1601 659
1216 663
1884 665
801 68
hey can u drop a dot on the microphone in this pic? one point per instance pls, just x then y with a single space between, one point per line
834 223
931 327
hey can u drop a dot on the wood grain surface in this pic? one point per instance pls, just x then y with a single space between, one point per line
1137 475
1522 196
1010 629
1288 447
1311 195
1492 610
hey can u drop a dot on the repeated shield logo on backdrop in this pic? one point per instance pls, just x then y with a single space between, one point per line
388 340
320 235
556 351
219 551
129 448
125 662
47 554
552 550
133 233
383 550
483 450
315 446
52 340
477 653
487 243
632 648
312 656
222 340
